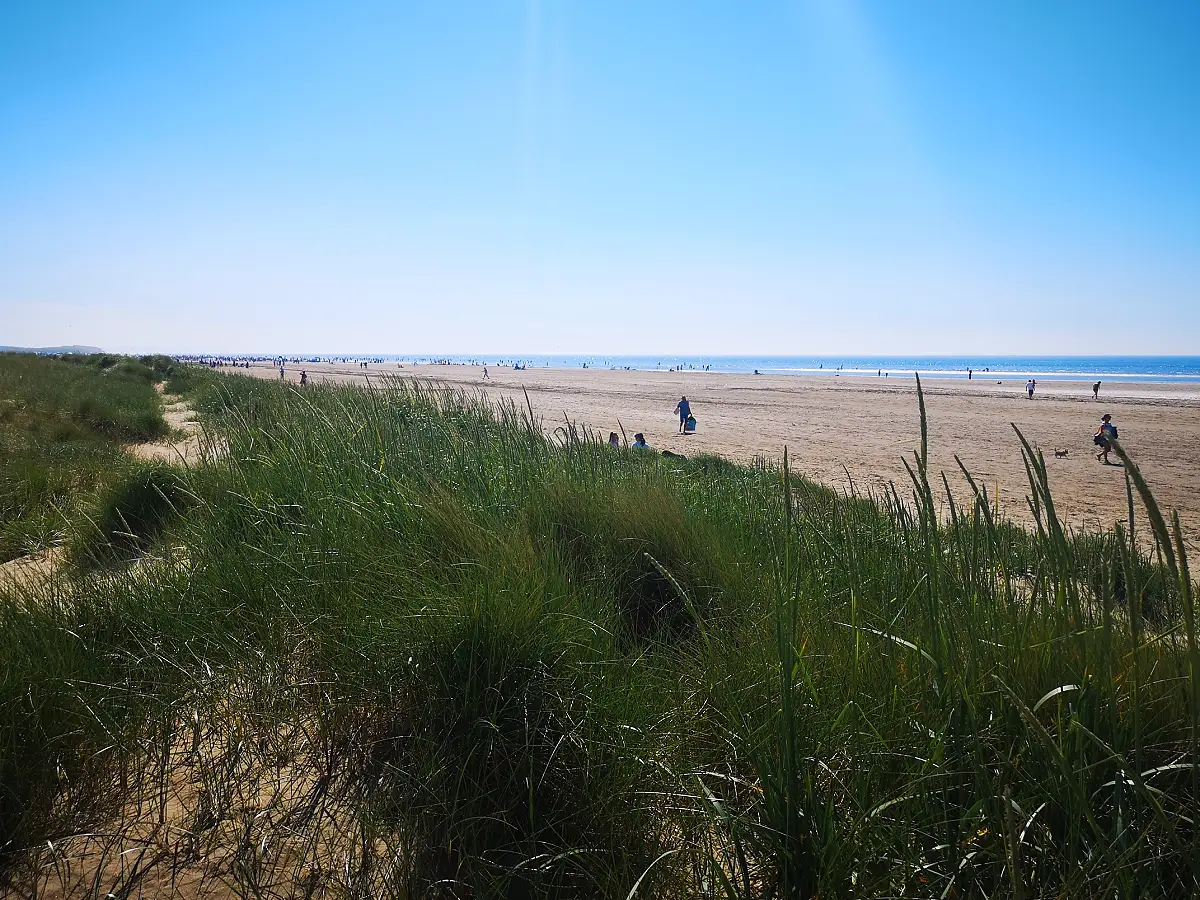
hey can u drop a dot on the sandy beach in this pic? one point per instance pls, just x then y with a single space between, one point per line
843 428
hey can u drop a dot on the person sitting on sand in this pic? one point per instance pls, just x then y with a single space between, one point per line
1096 391
612 439
684 409
639 442
1105 435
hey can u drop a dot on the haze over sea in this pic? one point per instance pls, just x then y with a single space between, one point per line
1181 369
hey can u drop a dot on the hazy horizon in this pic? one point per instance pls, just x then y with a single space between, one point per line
502 357
798 178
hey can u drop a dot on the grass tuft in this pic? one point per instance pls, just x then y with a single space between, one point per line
128 514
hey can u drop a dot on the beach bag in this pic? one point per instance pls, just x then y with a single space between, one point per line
689 424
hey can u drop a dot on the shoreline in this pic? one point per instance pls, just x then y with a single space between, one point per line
894 367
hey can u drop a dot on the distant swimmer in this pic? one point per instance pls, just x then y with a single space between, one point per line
1096 391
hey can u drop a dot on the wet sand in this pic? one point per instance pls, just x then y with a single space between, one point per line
843 428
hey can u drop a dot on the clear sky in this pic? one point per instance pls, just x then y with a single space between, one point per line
814 176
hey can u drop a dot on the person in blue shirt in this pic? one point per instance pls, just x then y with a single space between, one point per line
639 442
684 409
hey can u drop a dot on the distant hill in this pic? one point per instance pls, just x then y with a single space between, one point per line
48 350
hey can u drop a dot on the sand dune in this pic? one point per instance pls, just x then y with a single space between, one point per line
843 428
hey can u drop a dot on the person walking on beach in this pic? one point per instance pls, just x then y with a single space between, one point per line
486 376
303 379
1096 391
1104 436
684 409
1029 386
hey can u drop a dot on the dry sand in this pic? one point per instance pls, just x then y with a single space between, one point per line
838 428
25 572
185 443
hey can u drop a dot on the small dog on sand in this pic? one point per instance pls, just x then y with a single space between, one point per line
1060 454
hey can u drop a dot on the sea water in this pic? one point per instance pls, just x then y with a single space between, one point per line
1181 369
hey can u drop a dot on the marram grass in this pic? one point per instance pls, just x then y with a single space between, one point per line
399 644
62 423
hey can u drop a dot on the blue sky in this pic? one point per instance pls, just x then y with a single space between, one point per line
815 176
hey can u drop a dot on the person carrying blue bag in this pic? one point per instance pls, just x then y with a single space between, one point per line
685 411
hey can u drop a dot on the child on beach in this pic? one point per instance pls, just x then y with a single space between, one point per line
639 442
1105 435
612 439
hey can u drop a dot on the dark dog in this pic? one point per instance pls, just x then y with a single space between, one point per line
1061 454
